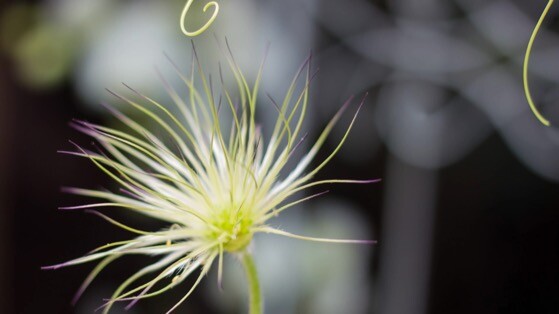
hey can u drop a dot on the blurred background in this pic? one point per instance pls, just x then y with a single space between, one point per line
467 214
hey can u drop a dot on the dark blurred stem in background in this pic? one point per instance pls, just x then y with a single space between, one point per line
6 255
406 242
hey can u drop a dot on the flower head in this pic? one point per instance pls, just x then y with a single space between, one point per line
215 185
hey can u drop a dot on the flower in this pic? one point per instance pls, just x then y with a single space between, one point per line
214 184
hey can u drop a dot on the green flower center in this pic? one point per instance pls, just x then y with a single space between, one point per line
232 231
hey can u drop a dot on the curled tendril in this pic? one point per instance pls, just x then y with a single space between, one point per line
213 4
538 115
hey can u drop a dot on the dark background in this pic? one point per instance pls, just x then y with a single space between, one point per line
495 245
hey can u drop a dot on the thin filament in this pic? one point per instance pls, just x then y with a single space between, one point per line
538 115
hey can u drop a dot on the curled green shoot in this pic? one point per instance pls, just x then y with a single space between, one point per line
202 29
535 110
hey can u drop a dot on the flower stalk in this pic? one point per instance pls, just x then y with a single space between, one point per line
255 295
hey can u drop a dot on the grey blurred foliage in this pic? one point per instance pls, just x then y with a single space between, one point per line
445 76
450 74
440 67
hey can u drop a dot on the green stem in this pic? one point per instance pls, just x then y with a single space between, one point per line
255 299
